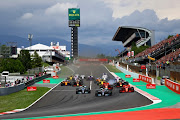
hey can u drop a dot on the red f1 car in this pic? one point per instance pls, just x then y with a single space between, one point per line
106 86
77 83
126 88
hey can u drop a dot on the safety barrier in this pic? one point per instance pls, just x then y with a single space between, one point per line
9 90
31 82
134 75
145 79
172 86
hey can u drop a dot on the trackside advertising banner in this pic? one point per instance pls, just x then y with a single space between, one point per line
172 86
145 79
74 13
32 88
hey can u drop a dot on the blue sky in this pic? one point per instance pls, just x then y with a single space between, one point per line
99 18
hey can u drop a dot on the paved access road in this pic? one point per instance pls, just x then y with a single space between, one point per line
63 100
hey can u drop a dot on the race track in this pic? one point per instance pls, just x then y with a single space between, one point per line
63 100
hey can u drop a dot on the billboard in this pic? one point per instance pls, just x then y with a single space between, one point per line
74 13
74 17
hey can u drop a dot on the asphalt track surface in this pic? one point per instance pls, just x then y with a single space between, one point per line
63 100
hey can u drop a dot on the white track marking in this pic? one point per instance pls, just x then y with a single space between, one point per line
90 84
71 70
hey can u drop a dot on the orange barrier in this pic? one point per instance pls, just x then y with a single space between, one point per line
172 86
145 79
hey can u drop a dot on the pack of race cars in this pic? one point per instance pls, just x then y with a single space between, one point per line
105 84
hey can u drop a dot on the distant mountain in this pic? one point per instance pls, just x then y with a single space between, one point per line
84 50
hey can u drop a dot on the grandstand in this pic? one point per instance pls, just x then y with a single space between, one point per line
160 50
128 35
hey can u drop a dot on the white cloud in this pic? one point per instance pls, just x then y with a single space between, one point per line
163 8
27 16
59 8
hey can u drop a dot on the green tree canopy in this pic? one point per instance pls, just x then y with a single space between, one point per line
12 65
25 58
36 61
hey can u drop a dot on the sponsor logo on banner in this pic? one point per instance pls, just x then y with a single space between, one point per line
32 88
132 53
172 86
46 81
151 86
127 76
129 54
136 80
143 67
55 77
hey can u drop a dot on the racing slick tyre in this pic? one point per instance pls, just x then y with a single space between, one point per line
120 90
132 89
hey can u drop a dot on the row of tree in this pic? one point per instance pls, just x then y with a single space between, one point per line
24 62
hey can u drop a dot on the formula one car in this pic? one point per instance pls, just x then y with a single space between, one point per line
82 77
83 90
90 77
106 86
97 80
65 83
70 78
76 76
101 82
126 88
103 92
120 83
104 76
77 83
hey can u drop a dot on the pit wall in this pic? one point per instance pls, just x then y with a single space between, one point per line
136 75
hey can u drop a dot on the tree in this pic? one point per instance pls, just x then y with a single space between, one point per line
36 61
25 58
12 65
169 36
138 49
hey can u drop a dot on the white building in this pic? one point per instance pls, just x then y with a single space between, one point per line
48 53
61 49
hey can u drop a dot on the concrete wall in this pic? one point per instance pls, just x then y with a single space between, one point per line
9 90
134 75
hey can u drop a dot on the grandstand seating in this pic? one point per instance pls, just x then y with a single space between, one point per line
157 47
170 57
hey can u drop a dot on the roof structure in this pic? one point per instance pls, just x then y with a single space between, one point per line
39 47
128 34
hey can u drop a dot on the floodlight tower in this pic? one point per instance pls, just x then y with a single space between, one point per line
30 36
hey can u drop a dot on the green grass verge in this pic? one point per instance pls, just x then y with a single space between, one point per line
45 64
65 72
112 68
159 78
21 99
